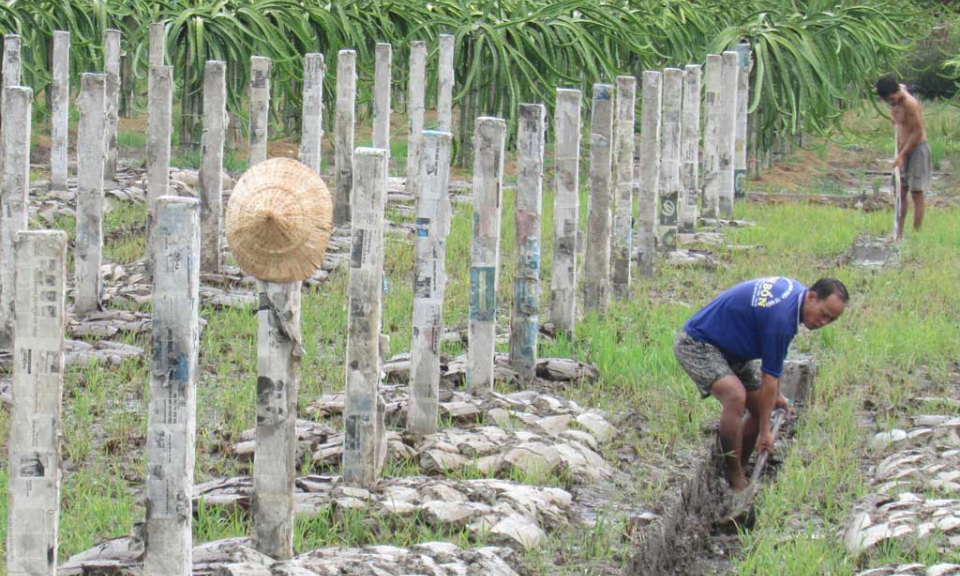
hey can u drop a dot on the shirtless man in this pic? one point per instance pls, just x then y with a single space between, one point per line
913 153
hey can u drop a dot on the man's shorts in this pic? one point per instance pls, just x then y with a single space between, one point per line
706 364
917 170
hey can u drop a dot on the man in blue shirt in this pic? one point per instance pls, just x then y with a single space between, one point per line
753 320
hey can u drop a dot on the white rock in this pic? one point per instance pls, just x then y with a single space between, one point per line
439 513
500 417
519 530
943 569
582 437
597 425
554 425
884 439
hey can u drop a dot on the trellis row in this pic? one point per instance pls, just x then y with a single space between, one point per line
172 403
623 198
596 268
111 67
490 137
429 282
90 161
525 319
670 158
690 149
729 78
711 136
566 211
33 508
259 108
649 171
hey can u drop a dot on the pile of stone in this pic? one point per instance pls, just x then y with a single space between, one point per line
79 352
236 557
691 258
453 372
507 513
919 470
914 570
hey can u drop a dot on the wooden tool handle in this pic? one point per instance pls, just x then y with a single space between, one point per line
778 418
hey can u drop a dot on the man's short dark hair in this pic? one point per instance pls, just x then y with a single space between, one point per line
887 85
825 287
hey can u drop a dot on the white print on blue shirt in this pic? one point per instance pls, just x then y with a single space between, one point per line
764 295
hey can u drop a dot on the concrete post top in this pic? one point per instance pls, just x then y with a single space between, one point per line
672 72
713 58
692 67
651 75
489 120
382 45
93 77
62 33
184 200
375 152
19 90
11 37
567 92
442 134
446 36
418 44
347 53
731 57
50 235
216 64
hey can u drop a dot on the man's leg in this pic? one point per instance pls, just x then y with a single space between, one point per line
917 210
732 396
902 216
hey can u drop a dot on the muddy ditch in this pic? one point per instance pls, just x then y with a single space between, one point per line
689 530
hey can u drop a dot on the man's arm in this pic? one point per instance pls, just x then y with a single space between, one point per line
769 394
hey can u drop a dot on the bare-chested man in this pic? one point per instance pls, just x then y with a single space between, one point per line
913 153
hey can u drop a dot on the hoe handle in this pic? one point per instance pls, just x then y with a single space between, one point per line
779 415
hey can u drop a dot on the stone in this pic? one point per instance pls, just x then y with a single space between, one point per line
582 437
943 569
519 531
500 417
439 513
597 425
554 425
440 461
884 439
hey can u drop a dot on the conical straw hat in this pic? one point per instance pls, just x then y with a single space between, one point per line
279 221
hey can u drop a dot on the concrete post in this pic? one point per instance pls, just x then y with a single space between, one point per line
259 108
59 110
172 415
311 134
711 137
490 137
33 505
743 101
90 160
11 70
566 211
159 133
111 67
365 437
279 352
596 266
157 44
649 171
525 319
14 202
690 148
445 91
381 98
670 158
728 124
429 281
346 119
211 164
623 198
11 60
415 103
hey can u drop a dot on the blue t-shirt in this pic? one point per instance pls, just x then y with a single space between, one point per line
755 319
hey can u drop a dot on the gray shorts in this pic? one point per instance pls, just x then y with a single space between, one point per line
706 364
917 170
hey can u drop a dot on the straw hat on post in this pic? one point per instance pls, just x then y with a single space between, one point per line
279 221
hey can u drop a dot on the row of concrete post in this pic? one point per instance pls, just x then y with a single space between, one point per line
179 243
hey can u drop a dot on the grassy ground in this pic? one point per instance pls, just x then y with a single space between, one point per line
899 320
